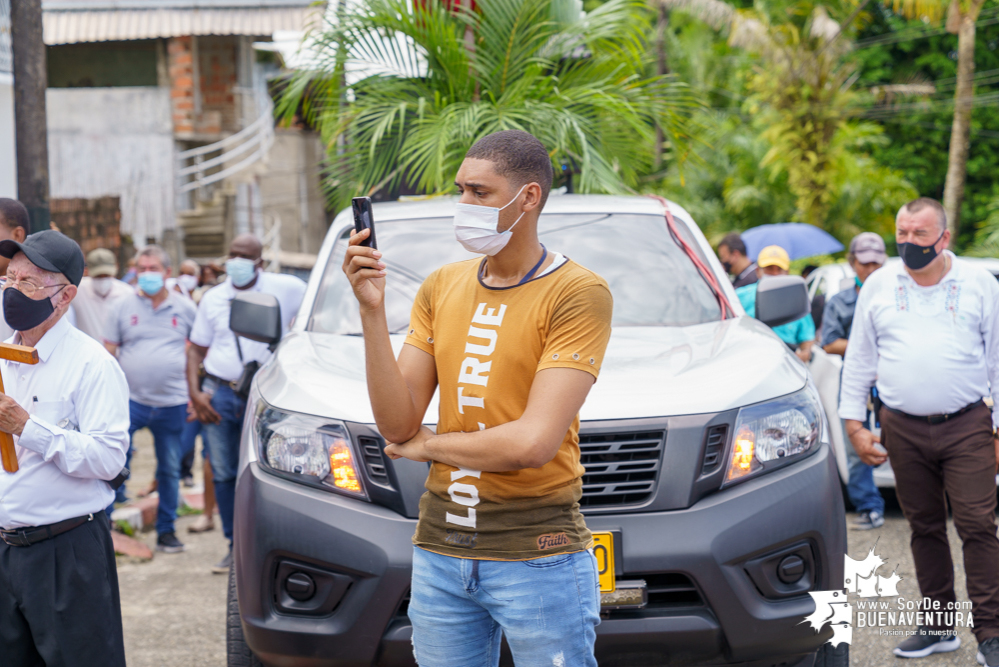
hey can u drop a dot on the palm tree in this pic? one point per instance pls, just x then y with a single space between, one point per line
801 87
961 18
401 89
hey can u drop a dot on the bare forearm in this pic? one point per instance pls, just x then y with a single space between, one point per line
852 427
391 399
838 346
504 448
195 357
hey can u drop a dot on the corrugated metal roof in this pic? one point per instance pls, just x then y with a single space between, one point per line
105 25
75 5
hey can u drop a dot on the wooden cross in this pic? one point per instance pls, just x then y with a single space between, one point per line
24 355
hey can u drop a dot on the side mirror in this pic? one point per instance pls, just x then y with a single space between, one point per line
781 299
256 316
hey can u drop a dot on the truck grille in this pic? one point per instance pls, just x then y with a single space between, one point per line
670 589
714 448
371 451
621 468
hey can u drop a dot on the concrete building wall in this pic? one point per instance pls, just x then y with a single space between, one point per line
116 142
290 190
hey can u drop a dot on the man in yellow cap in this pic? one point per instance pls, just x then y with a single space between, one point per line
800 334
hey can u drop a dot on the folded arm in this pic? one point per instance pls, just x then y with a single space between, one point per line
531 441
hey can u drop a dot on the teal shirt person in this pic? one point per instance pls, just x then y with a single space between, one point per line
793 333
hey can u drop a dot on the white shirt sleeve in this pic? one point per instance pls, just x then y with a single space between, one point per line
202 332
97 450
860 367
990 335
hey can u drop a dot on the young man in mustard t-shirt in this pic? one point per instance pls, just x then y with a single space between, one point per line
514 341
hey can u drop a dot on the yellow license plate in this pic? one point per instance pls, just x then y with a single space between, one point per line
603 549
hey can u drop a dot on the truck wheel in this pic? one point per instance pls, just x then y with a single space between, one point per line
827 656
237 652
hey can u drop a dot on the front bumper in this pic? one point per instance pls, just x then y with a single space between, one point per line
730 617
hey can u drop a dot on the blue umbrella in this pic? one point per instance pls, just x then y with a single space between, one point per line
797 238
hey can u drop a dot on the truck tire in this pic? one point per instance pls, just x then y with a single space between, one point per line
238 654
827 656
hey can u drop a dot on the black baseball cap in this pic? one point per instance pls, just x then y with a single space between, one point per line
49 250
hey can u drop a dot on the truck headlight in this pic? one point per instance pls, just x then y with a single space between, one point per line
768 434
309 449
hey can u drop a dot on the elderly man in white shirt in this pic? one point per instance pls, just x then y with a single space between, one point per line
927 334
59 602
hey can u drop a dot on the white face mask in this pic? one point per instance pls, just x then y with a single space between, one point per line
188 282
102 285
476 227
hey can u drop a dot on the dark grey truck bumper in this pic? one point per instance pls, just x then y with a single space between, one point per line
715 597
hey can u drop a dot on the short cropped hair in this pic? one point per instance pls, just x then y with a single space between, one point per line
917 205
13 214
734 243
157 252
517 156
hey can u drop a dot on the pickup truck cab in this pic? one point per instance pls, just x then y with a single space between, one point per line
709 475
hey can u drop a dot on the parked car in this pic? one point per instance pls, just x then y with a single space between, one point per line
709 474
826 369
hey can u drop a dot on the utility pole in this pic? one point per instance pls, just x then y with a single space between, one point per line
30 82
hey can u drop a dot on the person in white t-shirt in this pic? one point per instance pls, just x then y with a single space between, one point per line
15 225
213 344
98 290
187 279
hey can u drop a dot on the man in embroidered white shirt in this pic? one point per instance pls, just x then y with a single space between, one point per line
926 333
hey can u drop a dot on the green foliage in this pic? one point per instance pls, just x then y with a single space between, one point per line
430 81
919 134
986 243
124 527
783 142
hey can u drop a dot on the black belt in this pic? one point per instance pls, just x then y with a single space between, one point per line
936 419
232 384
25 537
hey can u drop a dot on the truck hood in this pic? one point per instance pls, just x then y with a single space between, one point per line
647 372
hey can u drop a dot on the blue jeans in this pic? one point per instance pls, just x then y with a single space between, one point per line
188 442
863 493
222 440
166 424
548 610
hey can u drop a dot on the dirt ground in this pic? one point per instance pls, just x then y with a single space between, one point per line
173 607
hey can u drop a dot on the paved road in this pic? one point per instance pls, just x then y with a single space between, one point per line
174 607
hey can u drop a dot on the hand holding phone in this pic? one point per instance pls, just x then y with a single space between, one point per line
362 261
364 219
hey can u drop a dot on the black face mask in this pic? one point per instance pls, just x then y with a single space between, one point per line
727 266
917 257
22 313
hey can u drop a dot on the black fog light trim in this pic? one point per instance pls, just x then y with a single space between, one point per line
303 589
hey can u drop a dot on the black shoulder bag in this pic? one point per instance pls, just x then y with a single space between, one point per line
242 388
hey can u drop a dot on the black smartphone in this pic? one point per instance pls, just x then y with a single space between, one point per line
364 219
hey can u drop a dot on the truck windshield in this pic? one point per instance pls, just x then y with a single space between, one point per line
653 282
